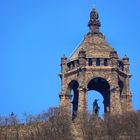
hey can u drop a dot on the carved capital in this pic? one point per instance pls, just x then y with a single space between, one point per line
115 89
82 88
66 96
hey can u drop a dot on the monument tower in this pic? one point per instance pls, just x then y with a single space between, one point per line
95 66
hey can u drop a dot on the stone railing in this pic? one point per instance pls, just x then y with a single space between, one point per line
89 62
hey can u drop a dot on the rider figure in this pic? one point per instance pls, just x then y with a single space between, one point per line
96 107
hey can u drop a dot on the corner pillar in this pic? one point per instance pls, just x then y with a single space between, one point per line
81 116
126 97
65 103
82 103
115 102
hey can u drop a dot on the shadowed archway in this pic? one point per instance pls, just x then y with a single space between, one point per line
73 88
102 86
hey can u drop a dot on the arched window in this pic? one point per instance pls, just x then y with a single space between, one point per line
90 62
121 66
73 64
97 62
73 88
105 62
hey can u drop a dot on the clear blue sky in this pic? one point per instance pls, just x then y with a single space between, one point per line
34 34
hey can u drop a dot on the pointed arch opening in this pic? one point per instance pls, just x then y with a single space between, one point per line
73 89
100 85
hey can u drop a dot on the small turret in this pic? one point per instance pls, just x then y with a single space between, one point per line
126 64
63 63
114 57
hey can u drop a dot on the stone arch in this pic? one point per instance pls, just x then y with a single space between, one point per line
107 77
103 87
73 87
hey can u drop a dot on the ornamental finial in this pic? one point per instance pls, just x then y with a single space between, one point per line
94 23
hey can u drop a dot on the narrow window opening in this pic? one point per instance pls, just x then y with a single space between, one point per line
73 64
77 62
68 66
105 62
90 62
97 62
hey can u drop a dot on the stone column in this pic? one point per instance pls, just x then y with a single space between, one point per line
129 96
94 62
82 101
101 61
65 97
65 103
81 79
115 102
126 96
78 125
